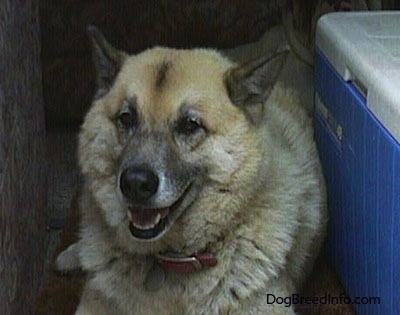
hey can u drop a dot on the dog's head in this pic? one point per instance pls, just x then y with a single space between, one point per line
170 147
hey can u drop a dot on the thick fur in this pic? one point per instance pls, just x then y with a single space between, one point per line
258 201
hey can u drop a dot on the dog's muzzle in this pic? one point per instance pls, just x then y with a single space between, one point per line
139 186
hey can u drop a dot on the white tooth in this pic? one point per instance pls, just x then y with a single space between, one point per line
129 215
143 227
150 226
158 219
139 226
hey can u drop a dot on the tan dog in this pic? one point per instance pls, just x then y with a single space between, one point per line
203 191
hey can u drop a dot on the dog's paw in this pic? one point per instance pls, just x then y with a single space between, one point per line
67 261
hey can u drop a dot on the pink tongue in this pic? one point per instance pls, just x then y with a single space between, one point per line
148 216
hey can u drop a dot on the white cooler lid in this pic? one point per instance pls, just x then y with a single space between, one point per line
364 47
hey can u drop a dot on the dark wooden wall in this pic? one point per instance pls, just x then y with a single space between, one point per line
22 174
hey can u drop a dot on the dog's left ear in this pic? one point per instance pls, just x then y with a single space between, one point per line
249 85
107 59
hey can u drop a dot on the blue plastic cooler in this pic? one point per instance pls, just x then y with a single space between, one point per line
357 129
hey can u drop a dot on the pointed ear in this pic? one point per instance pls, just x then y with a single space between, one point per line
107 59
249 85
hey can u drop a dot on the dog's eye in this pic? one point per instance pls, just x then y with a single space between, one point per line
189 125
128 119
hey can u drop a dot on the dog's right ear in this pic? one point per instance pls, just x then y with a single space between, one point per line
107 59
249 85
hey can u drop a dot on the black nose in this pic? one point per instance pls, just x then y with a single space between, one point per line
138 184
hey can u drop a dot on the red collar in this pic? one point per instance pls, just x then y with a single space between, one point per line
186 264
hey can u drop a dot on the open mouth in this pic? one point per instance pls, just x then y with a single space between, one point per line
148 224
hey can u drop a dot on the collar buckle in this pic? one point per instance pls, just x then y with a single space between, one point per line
186 264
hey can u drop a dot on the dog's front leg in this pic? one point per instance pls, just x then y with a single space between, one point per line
275 299
68 260
94 303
